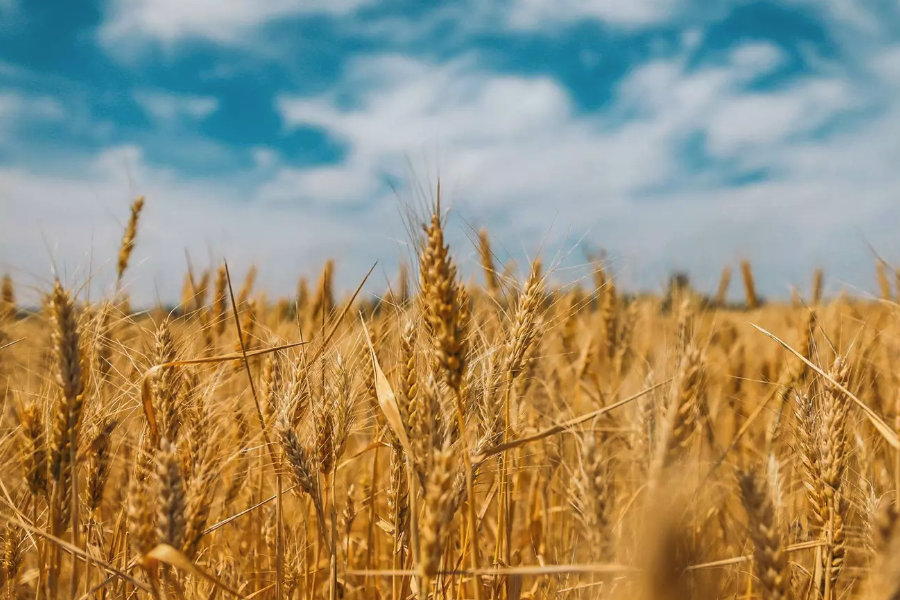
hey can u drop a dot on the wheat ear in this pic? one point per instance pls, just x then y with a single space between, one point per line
770 558
127 246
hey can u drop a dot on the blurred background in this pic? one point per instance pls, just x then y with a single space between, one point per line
675 135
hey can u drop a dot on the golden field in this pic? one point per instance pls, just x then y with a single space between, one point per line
447 440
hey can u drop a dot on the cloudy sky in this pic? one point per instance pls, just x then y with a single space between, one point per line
673 133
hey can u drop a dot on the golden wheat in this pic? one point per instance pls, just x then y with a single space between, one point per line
523 441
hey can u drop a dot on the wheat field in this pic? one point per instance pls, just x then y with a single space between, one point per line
500 440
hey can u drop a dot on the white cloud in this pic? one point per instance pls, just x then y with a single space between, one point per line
759 120
516 147
537 13
10 70
691 38
322 185
850 16
167 107
264 158
757 57
19 110
15 106
886 66
515 135
223 21
210 218
480 126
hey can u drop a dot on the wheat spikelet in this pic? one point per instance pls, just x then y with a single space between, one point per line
770 559
127 246
609 315
369 371
818 284
170 506
98 463
343 406
594 496
490 403
141 533
808 450
408 385
833 458
807 344
7 297
525 327
220 301
426 424
398 499
624 352
897 282
103 341
299 462
272 387
884 525
167 383
33 448
295 401
325 441
599 272
197 501
298 459
196 415
68 408
647 423
293 576
402 295
323 301
835 407
421 422
438 511
242 467
884 284
487 264
681 422
442 308
570 323
66 347
724 283
348 516
302 300
685 326
12 560
247 286
752 299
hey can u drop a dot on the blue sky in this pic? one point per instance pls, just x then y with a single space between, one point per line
672 133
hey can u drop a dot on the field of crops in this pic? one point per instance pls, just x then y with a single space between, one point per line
503 440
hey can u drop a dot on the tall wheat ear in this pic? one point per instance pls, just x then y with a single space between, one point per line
445 308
